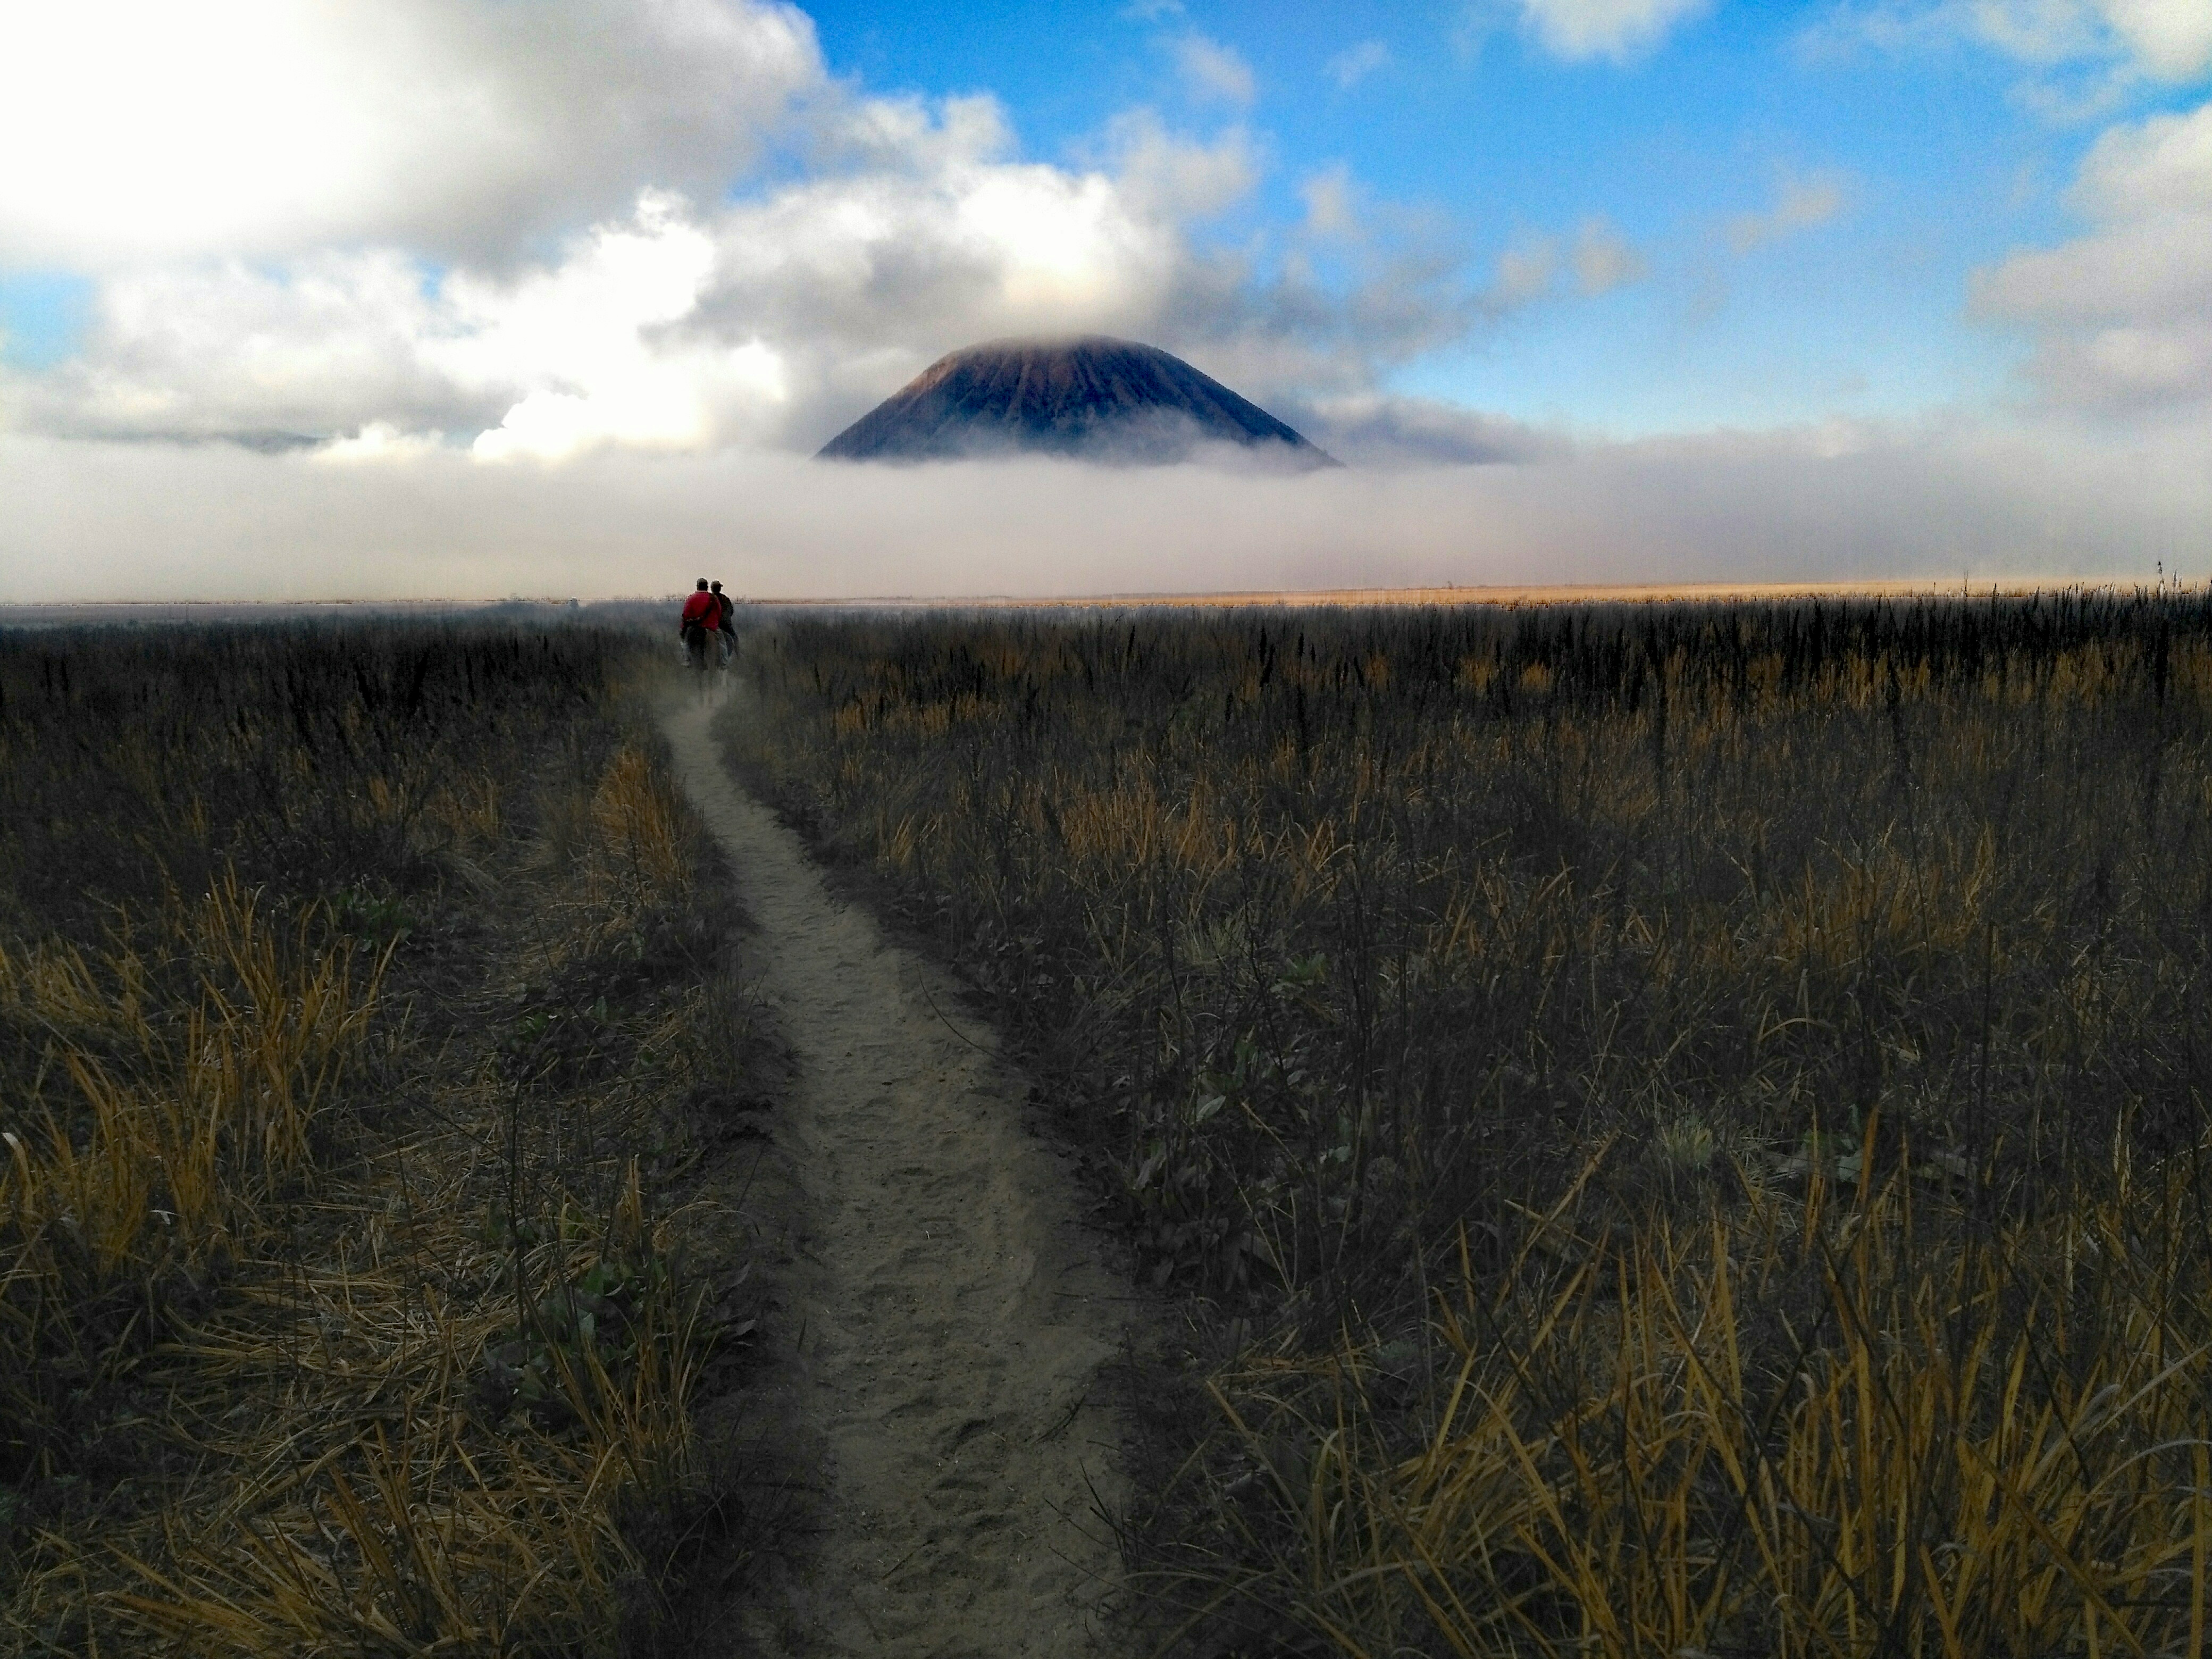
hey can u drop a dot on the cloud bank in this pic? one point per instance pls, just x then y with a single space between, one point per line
122 521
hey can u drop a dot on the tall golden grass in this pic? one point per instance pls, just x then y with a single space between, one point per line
1625 1477
339 1306
177 1140
1866 939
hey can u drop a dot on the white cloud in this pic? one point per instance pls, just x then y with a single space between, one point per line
2163 39
378 443
1603 261
1163 176
1581 29
1799 204
1331 203
1526 271
331 342
1211 70
2122 315
546 362
2162 165
1599 259
2170 38
261 127
1356 63
859 280
580 340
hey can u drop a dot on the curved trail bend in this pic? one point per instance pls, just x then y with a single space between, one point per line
955 1313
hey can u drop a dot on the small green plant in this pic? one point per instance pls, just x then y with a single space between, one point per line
377 920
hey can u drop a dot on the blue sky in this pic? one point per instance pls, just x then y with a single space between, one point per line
42 315
1940 163
1768 238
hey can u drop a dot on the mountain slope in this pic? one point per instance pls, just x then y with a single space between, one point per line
1093 398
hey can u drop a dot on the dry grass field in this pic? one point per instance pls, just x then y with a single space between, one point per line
1674 1128
1520 597
365 1007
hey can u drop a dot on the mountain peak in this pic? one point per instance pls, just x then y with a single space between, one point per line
1091 397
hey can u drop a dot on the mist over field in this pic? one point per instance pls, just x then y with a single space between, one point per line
119 521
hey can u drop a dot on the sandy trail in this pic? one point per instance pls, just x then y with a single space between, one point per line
955 1313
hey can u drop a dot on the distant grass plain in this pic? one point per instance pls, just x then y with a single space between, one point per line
1664 1121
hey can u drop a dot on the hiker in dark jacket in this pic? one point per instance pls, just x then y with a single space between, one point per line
729 640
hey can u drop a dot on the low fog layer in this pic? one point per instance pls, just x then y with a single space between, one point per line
158 521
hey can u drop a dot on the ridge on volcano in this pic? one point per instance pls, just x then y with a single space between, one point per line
1091 398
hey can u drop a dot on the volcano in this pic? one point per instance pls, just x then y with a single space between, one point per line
1092 399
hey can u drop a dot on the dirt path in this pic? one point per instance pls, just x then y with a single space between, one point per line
955 1313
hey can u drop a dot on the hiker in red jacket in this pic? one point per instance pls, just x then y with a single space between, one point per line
702 618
